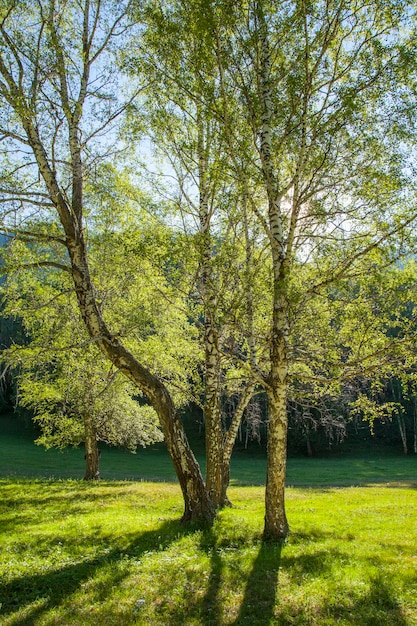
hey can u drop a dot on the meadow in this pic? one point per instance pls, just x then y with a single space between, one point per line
114 552
20 457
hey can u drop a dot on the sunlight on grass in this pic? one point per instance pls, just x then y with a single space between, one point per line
115 553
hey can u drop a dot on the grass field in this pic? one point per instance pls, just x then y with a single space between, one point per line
114 553
19 456
73 553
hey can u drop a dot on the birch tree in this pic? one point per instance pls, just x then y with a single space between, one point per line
294 88
62 104
322 90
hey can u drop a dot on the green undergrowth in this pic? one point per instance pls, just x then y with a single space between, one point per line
115 553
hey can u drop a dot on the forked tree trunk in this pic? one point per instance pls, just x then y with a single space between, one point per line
222 455
229 440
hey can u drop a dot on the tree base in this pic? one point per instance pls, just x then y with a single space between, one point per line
278 539
92 477
226 504
277 534
199 515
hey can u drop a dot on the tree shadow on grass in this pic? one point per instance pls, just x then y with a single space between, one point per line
202 600
35 595
377 607
211 615
49 589
317 563
261 585
260 594
204 608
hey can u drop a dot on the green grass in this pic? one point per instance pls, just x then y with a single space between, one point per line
73 553
19 456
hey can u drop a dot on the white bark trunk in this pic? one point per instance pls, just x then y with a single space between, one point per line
276 525
212 372
403 433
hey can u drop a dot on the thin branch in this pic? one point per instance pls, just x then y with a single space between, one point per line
39 264
31 235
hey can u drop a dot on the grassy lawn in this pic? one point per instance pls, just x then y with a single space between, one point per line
19 456
73 553
114 553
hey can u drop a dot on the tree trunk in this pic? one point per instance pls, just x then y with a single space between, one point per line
92 454
403 433
276 526
197 502
214 455
198 506
224 500
229 442
212 411
397 397
212 368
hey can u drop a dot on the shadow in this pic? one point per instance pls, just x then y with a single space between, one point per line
378 606
318 563
55 492
204 609
312 535
259 598
211 615
72 497
12 522
50 589
204 597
